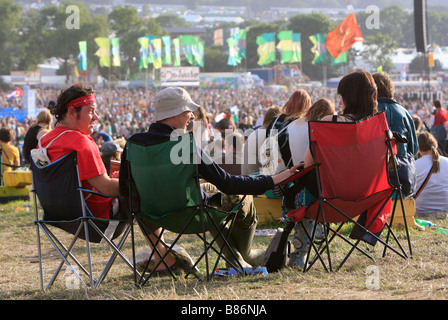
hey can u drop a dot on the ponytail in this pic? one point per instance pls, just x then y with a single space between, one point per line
426 142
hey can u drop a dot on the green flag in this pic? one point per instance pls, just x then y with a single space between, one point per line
104 51
166 50
285 46
176 44
266 48
151 57
82 64
232 61
192 49
241 45
319 49
187 42
296 48
157 44
144 42
115 52
342 58
199 57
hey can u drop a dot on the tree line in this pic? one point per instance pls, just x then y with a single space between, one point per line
29 37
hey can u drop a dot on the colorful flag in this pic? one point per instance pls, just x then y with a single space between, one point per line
296 48
344 36
218 39
151 57
199 57
104 51
285 46
15 93
241 44
318 48
176 44
341 59
166 50
266 48
82 56
115 52
143 62
190 45
157 44
232 61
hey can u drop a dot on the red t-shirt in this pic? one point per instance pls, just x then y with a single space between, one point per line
440 117
89 159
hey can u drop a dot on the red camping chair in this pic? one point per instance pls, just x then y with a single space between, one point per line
350 161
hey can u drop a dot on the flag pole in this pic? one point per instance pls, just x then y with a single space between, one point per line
324 67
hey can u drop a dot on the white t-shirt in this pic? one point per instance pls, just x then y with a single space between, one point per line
434 196
298 140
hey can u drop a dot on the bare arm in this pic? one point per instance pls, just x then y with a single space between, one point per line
104 184
285 174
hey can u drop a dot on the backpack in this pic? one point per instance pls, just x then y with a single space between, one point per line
272 159
40 156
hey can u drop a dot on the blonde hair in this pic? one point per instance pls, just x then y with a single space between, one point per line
44 117
321 108
426 142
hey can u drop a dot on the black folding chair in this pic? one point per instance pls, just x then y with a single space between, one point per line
57 190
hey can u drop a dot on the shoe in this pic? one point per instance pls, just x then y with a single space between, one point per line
142 258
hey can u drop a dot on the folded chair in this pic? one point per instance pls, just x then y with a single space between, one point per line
168 194
57 190
350 161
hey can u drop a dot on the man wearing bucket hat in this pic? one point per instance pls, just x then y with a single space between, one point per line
174 111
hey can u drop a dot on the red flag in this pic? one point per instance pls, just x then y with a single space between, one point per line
344 36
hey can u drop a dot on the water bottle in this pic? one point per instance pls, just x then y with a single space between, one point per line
425 223
442 231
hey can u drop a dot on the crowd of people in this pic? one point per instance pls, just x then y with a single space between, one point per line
227 121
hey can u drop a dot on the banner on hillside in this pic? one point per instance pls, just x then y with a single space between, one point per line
23 78
179 76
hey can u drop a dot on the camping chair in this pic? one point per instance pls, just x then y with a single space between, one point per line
57 189
350 160
169 195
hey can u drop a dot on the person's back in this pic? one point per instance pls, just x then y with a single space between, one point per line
441 116
434 195
10 153
400 121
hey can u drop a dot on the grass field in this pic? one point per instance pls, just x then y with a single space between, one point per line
423 277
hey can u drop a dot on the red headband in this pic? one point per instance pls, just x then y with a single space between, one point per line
82 101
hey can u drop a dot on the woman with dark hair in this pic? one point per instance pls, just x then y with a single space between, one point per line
358 93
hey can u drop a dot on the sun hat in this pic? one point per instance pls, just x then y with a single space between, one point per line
171 102
110 147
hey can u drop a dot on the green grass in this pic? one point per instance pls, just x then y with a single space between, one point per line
424 276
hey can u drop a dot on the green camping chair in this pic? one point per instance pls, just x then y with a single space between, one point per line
165 190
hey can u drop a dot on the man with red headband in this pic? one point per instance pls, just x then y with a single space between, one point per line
75 113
